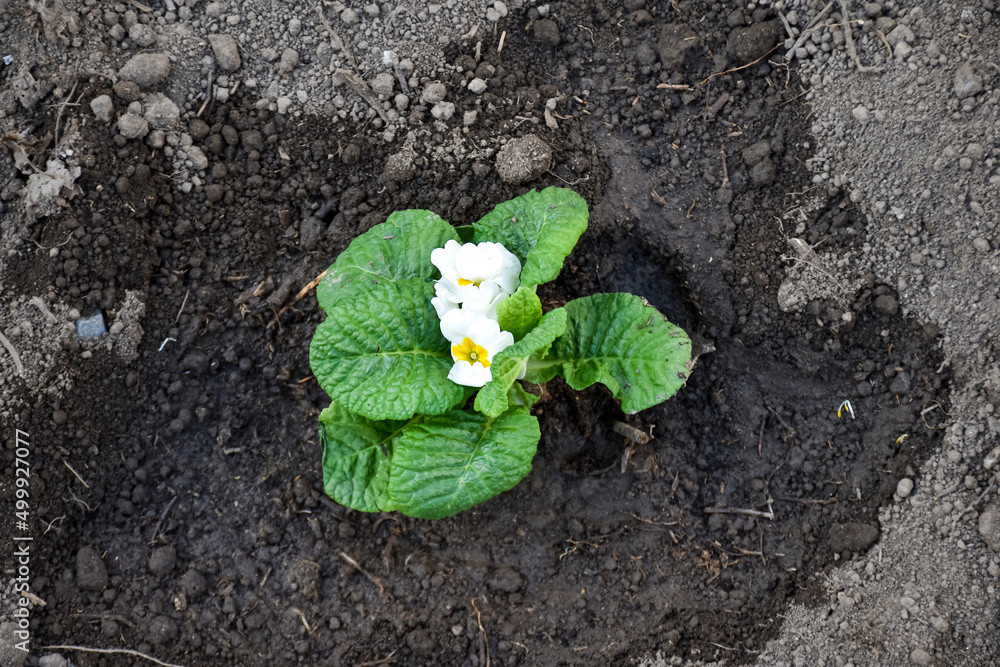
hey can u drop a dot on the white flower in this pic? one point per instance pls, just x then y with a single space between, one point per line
475 339
467 269
484 300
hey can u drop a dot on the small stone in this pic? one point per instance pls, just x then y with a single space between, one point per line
161 112
902 51
91 573
469 118
433 93
443 110
523 159
860 114
546 31
289 61
383 84
989 526
132 126
283 104
401 101
763 173
904 487
127 91
674 41
940 624
900 34
919 656
198 158
294 26
349 16
116 32
142 35
198 129
967 82
887 305
372 10
102 107
400 166
52 660
194 585
161 629
146 69
900 384
477 86
851 537
981 244
214 192
492 15
749 43
227 52
162 561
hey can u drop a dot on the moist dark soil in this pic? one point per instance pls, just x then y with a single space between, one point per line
203 499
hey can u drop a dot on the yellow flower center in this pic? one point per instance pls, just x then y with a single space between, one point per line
463 282
469 351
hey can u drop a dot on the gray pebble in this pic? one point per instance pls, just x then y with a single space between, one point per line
161 112
294 26
902 51
309 232
546 32
433 93
443 110
900 384
383 84
967 82
904 487
400 167
52 660
523 159
402 102
146 69
91 573
372 10
989 526
349 16
142 35
900 33
289 61
469 118
283 104
860 114
887 304
162 561
268 54
161 629
981 244
132 126
102 107
199 160
477 86
116 32
226 51
920 657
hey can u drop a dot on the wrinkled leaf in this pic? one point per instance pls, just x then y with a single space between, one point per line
448 463
397 249
381 354
356 455
492 399
541 228
520 312
623 343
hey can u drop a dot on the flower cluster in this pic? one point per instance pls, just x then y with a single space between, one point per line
475 278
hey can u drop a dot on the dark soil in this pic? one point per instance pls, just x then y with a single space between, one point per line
204 489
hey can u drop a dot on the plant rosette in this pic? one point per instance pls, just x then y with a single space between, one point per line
427 337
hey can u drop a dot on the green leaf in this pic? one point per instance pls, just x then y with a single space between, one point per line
622 342
382 355
520 312
448 463
396 249
541 228
520 399
492 399
356 455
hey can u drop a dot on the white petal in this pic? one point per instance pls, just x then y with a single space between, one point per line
509 276
470 375
448 290
456 324
485 299
478 262
487 333
443 306
444 259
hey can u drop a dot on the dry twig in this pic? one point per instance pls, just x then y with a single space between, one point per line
850 43
484 645
357 566
108 651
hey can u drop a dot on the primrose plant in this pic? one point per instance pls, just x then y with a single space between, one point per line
428 330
